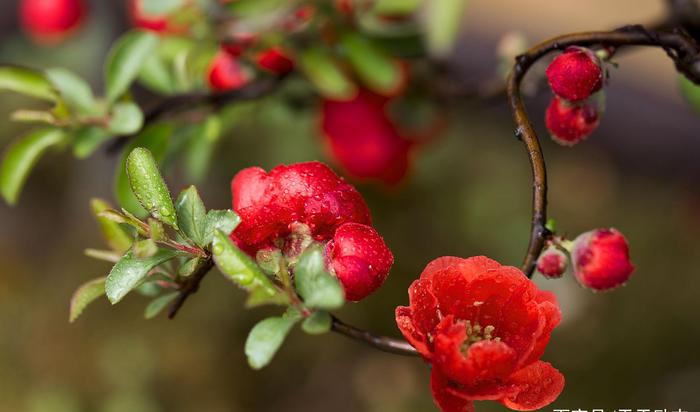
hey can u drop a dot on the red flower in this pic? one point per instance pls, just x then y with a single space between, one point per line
154 22
359 258
49 21
308 193
570 124
225 73
363 138
601 259
275 60
575 74
552 263
483 327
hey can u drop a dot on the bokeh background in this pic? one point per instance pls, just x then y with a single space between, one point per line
468 194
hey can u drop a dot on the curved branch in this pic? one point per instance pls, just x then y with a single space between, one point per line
681 48
383 343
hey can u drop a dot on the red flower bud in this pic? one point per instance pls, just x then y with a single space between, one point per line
49 21
275 60
239 43
359 258
570 124
575 74
552 263
601 259
154 22
363 138
225 73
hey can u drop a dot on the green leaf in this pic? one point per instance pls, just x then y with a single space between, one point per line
395 7
155 138
261 296
237 266
201 148
158 304
318 323
125 60
128 273
149 187
116 237
157 76
443 20
160 7
88 139
191 215
85 295
21 157
315 285
188 268
377 70
223 220
126 118
691 92
27 82
74 91
322 70
265 339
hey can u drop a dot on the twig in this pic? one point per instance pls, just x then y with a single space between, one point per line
383 343
190 286
681 48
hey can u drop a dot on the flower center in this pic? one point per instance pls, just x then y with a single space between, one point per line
475 333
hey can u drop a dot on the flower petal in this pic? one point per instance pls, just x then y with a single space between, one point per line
423 306
445 400
416 338
551 314
538 385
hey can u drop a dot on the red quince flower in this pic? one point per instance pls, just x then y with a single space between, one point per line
601 259
363 138
50 21
226 73
275 60
483 327
359 258
575 74
571 123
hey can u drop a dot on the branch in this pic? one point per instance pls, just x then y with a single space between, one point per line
190 286
383 343
681 48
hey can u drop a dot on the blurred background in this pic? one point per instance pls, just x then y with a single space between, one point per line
468 194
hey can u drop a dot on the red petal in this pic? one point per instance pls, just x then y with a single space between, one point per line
552 316
417 339
423 306
538 385
445 400
248 187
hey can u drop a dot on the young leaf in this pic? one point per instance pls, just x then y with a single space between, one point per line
74 91
125 60
21 157
237 266
265 339
223 220
318 323
261 296
691 91
130 271
88 139
149 187
158 304
115 236
326 75
319 288
126 118
27 82
443 19
191 215
377 70
85 295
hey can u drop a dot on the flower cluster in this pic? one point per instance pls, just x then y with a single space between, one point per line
574 76
483 327
308 198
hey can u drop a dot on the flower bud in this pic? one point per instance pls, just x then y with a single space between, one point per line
601 259
575 74
275 60
225 73
552 263
157 23
570 123
359 258
49 21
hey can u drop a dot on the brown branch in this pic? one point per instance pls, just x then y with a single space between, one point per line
383 343
190 286
681 48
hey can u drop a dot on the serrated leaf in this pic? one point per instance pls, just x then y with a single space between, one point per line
21 157
158 304
73 90
27 82
126 118
223 220
130 271
87 140
149 187
443 21
116 237
237 266
315 285
691 92
265 339
322 70
191 215
378 71
125 60
155 138
318 323
85 295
